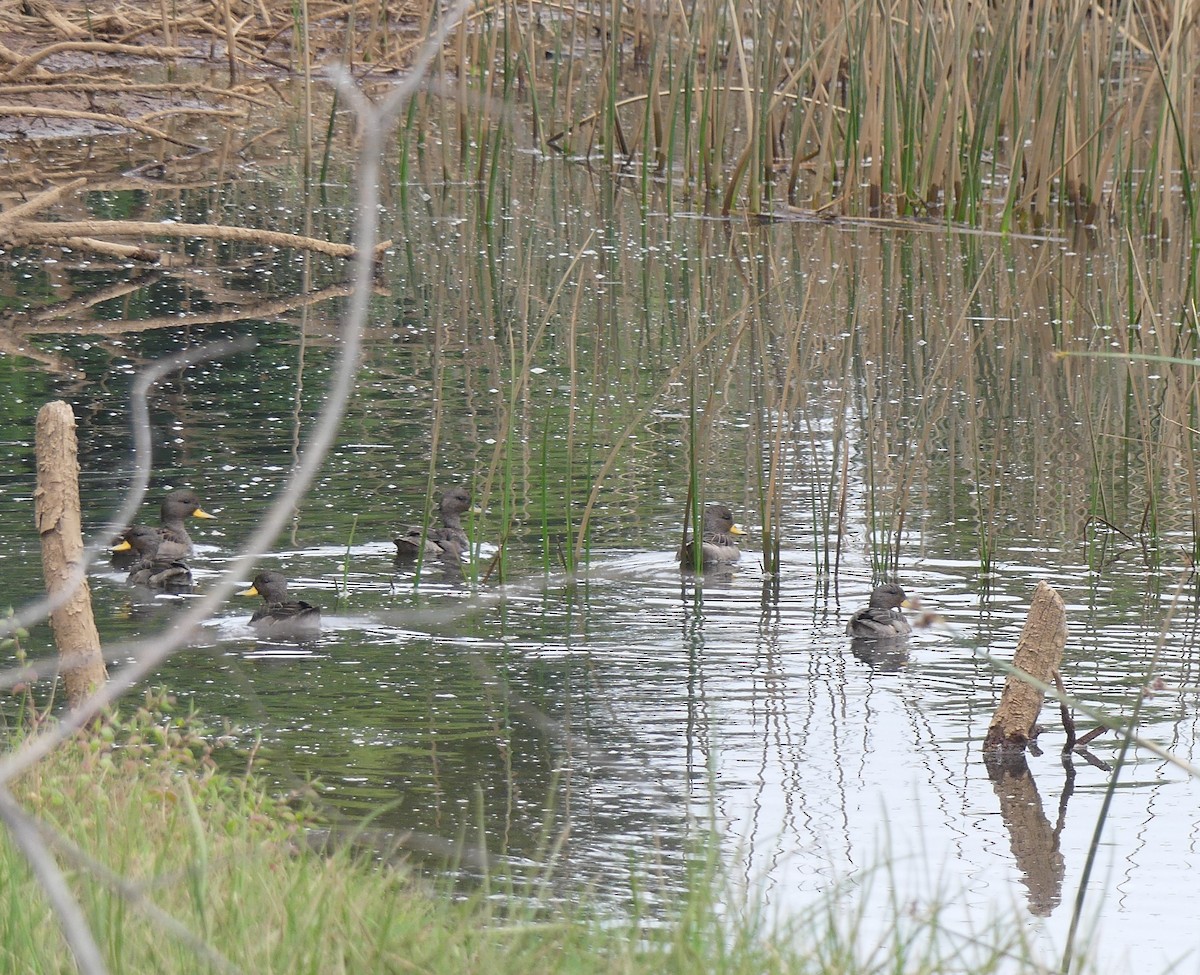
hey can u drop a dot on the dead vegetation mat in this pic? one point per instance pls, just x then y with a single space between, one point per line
97 95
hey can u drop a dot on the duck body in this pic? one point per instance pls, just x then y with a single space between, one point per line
280 616
173 539
881 619
718 541
173 576
438 543
448 540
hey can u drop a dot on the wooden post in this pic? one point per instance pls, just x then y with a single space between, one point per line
56 508
1039 654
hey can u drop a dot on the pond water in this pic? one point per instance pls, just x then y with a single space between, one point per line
888 399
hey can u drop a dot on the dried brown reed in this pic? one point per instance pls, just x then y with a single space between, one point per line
1024 115
956 109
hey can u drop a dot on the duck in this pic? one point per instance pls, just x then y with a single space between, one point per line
148 542
718 541
881 619
158 565
175 543
447 541
279 616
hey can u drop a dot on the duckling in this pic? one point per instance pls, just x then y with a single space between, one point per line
279 616
174 541
440 542
881 619
718 541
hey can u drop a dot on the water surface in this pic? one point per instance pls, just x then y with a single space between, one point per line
891 398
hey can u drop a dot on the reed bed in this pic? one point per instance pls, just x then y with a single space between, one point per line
779 319
1016 118
972 362
573 371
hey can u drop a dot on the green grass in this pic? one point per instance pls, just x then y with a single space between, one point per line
181 867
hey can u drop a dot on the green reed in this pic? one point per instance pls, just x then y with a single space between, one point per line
915 319
590 434
344 593
544 490
693 510
766 440
437 381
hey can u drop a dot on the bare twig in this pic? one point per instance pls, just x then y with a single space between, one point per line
20 70
38 202
102 118
31 231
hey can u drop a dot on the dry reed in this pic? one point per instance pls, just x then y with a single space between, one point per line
1022 115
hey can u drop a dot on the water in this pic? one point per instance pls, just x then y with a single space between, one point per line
899 389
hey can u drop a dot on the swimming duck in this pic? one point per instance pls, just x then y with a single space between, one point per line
279 616
881 620
175 543
449 539
158 565
147 542
718 542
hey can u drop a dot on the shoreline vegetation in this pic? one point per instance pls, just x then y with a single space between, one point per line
183 866
1010 118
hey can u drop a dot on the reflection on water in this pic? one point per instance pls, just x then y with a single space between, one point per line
1034 840
901 394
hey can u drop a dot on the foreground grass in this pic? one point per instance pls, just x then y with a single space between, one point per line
182 868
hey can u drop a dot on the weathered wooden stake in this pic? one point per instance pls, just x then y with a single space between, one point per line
57 510
1039 654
